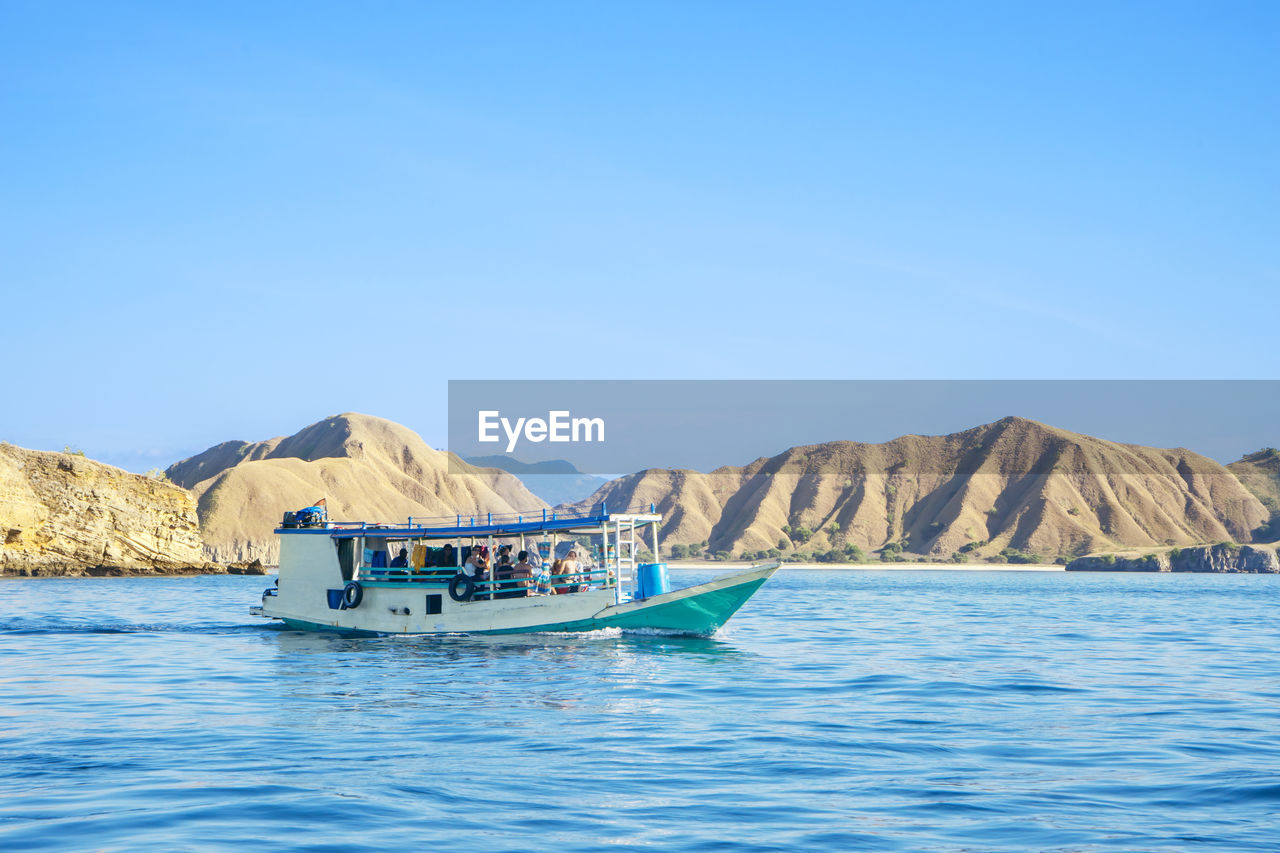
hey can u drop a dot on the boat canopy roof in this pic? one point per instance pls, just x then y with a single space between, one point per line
488 524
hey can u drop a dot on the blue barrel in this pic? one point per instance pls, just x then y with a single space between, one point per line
652 578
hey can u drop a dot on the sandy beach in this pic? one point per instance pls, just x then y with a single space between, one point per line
877 566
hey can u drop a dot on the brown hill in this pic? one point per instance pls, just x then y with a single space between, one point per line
368 468
1014 483
61 513
1260 474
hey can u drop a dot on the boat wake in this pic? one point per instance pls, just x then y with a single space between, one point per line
665 632
599 633
37 629
613 633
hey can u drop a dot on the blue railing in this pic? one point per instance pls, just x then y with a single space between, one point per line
490 519
600 577
463 523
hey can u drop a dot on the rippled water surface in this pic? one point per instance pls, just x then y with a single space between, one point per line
838 711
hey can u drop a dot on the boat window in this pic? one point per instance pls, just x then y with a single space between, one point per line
347 558
394 547
375 552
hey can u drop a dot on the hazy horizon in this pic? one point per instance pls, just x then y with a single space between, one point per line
701 417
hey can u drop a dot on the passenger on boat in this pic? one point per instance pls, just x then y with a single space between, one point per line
522 572
546 583
401 561
569 567
515 579
445 558
477 567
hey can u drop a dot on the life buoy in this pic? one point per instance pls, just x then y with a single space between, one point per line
352 595
461 588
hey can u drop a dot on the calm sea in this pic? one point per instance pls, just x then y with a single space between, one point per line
958 711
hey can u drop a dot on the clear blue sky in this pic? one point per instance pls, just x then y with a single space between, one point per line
223 220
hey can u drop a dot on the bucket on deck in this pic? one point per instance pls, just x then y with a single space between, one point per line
651 579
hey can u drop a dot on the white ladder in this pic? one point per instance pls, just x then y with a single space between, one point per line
625 556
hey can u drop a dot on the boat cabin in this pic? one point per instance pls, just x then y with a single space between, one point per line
429 555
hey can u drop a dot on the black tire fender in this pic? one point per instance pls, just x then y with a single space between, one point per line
352 595
461 588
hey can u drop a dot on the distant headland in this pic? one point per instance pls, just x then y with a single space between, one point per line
1013 491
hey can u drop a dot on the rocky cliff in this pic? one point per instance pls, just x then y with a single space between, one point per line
1222 558
367 469
1260 473
63 514
1013 484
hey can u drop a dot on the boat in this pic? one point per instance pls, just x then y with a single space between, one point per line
342 576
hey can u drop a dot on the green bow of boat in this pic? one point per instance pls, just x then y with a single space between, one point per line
699 610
